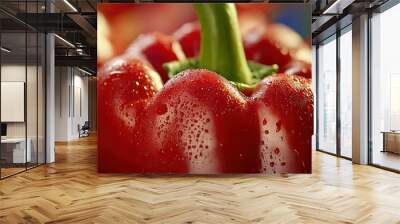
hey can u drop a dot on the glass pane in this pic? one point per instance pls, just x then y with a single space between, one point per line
385 84
13 86
346 94
31 100
314 88
327 96
41 98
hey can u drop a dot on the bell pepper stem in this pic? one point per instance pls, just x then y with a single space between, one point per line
221 48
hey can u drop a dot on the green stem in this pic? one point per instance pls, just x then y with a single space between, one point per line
221 44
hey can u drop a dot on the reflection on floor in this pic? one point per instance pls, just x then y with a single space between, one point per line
387 159
9 170
71 191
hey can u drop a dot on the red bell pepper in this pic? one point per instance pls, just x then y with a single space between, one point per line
189 38
158 49
200 121
260 46
298 67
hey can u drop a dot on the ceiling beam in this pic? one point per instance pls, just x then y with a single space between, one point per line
79 61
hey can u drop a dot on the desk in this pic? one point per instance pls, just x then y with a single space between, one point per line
13 150
391 141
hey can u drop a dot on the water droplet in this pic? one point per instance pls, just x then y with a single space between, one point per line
278 126
162 109
265 121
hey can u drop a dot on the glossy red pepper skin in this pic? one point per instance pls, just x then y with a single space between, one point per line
124 85
202 115
285 113
200 123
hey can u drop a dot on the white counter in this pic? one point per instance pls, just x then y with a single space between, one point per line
18 148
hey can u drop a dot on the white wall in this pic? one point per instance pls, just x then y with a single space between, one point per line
71 93
62 83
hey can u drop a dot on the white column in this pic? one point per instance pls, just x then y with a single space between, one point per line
360 90
50 98
50 92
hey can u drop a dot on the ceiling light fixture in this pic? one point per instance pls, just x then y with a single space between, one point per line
5 50
329 9
337 7
70 5
65 41
84 71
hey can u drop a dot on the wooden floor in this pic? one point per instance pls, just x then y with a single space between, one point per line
387 159
10 171
71 191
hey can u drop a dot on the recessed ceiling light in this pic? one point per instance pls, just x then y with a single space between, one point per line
5 50
65 41
337 7
84 71
70 5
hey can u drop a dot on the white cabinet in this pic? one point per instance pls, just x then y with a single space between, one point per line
16 147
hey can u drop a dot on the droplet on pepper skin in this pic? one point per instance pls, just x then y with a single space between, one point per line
265 121
162 109
278 126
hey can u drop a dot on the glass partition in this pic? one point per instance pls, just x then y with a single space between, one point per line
327 96
346 93
22 77
14 151
41 96
32 96
385 89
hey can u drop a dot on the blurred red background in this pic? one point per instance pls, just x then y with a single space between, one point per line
119 24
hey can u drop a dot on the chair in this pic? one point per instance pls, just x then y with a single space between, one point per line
84 130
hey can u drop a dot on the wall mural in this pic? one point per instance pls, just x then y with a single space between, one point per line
206 88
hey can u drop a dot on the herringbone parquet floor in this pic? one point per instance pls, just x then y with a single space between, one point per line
71 191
